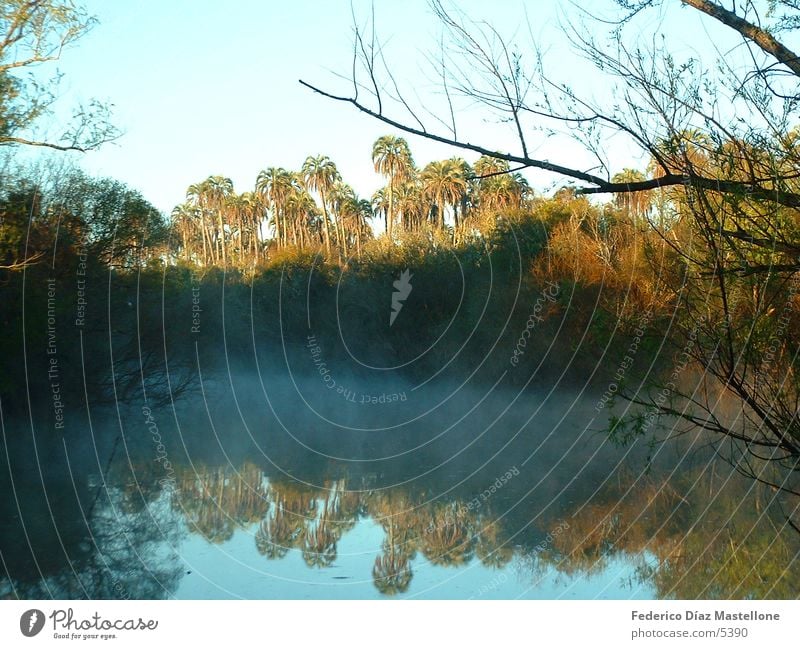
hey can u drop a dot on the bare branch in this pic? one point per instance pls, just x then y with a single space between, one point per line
754 33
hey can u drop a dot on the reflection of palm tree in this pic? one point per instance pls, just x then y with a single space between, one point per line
319 542
284 528
348 509
446 539
296 521
490 549
319 545
392 573
278 533
216 501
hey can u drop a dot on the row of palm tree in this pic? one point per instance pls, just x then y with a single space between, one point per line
216 225
414 197
314 207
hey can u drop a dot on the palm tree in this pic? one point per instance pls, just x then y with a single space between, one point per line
392 158
183 219
486 166
690 151
274 185
217 190
353 213
499 189
380 203
409 203
196 196
342 198
443 183
251 205
235 209
302 211
362 214
464 172
635 204
321 175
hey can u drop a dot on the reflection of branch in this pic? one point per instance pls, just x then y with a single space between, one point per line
104 477
19 265
756 269
761 242
49 145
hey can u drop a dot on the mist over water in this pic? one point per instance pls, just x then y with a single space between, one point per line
275 485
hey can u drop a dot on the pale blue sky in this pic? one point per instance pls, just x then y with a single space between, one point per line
203 87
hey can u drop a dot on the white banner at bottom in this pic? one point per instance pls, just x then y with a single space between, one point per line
354 624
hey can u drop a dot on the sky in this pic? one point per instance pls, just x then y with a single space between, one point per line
201 87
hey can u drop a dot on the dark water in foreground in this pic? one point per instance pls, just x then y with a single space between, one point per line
270 496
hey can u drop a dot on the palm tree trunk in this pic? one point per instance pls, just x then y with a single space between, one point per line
241 237
325 222
344 237
183 237
221 239
390 217
203 235
276 218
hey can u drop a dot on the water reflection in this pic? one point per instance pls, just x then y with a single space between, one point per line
592 524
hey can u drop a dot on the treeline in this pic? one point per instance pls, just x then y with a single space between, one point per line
70 250
88 265
315 208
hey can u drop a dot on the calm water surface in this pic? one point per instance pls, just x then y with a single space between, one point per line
277 498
